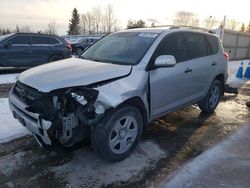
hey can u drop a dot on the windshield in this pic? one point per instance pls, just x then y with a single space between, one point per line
126 48
2 38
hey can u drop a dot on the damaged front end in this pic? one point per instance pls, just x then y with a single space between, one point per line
64 115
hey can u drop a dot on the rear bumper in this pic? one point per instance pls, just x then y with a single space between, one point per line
37 126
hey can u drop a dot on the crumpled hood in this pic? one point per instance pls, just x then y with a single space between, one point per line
71 72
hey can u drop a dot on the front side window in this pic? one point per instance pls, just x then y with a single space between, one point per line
4 37
126 48
172 45
197 46
20 40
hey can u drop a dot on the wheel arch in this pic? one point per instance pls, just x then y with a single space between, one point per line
56 54
221 78
137 103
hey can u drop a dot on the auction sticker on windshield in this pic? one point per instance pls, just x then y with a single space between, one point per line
151 35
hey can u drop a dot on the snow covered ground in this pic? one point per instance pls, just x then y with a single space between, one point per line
10 129
8 78
225 165
233 67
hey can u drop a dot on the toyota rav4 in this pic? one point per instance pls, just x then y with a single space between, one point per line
120 84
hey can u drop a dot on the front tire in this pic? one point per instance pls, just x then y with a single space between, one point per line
211 101
116 136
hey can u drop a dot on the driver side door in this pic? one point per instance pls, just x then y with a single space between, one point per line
169 86
17 53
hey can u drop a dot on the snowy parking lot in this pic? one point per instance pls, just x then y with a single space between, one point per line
169 143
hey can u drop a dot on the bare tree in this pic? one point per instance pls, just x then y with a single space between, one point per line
195 21
98 21
243 28
153 21
210 22
110 19
51 30
83 24
90 23
26 29
97 15
186 18
232 24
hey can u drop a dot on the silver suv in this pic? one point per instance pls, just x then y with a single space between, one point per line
119 85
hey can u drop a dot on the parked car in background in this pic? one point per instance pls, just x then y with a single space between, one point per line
32 49
80 45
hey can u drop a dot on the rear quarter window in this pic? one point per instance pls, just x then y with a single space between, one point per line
213 44
197 46
53 40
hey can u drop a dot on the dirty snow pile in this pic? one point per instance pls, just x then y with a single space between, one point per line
87 170
233 67
224 165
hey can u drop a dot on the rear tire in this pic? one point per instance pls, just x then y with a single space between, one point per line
211 101
115 137
55 58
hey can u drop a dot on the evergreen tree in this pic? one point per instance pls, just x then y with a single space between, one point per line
74 23
248 28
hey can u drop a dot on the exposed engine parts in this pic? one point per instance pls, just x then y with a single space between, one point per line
71 112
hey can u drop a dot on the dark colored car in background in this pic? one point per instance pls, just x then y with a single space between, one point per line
32 49
80 45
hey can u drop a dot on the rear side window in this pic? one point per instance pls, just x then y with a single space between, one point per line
172 45
53 40
197 46
213 44
44 40
20 40
40 40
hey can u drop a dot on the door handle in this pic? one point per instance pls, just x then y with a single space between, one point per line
214 63
188 70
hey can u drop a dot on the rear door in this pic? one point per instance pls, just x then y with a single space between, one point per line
17 54
41 49
169 86
199 62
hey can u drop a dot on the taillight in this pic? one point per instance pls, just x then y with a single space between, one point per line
69 46
226 56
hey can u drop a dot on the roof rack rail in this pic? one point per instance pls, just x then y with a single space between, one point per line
186 26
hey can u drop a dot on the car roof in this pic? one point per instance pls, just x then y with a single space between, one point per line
171 29
35 34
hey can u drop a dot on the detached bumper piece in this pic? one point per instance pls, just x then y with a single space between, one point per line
37 126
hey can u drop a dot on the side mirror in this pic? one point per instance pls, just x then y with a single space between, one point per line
165 61
7 45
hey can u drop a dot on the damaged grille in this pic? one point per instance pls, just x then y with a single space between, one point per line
25 93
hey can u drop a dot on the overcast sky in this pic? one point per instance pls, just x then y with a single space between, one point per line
38 13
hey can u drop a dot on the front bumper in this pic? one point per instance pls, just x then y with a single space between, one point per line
37 126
